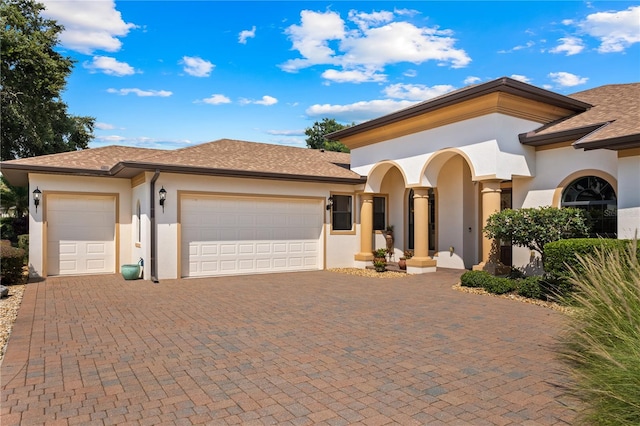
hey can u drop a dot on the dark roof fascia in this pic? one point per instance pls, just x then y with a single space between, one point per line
128 165
614 144
239 173
506 85
533 139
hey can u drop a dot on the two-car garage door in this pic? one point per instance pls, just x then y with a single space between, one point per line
235 235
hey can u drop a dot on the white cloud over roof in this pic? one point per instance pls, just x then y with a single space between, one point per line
616 30
196 66
141 93
108 65
245 34
89 25
367 42
569 46
566 79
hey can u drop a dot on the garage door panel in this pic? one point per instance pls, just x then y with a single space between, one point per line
80 234
252 235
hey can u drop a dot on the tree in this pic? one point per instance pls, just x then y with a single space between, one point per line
316 135
14 200
32 77
535 227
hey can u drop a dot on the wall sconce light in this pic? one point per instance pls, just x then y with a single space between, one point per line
330 203
36 198
163 196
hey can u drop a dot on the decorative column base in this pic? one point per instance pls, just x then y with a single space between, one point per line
362 260
421 265
494 268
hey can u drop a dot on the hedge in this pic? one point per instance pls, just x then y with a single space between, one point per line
11 263
561 255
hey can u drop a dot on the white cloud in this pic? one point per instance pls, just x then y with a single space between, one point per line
569 45
416 92
527 45
89 25
410 73
109 66
244 35
522 78
566 79
373 43
615 30
196 66
141 93
365 20
358 111
353 76
104 126
266 100
286 132
216 99
471 80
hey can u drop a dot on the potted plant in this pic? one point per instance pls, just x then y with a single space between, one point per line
380 255
402 263
380 266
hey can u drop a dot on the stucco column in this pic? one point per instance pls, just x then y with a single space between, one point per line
366 228
421 257
490 204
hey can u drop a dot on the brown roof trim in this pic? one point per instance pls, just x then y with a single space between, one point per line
615 144
17 173
504 84
534 139
237 173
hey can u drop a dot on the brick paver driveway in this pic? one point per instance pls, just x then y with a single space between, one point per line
301 348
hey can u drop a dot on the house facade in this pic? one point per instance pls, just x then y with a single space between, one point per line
434 172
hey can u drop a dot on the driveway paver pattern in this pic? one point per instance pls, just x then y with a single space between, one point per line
293 349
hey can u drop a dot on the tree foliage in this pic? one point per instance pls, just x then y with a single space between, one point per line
32 77
535 227
316 135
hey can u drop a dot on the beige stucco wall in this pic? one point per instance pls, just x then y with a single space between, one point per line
629 197
75 184
339 249
489 142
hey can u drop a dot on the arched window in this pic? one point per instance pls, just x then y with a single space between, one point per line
597 197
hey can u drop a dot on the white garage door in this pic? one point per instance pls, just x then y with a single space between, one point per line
81 234
229 235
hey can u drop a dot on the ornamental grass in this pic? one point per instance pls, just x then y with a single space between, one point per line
601 347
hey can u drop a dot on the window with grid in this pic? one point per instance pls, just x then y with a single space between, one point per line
341 217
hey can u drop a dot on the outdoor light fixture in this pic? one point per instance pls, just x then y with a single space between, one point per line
163 196
36 197
330 203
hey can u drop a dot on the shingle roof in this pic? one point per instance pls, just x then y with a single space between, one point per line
612 122
222 157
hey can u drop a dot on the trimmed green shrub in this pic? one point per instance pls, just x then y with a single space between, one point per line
563 254
531 287
476 279
498 285
601 347
11 263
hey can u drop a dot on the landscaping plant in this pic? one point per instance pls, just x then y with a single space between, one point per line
601 347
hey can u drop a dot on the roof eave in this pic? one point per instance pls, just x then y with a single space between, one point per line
17 174
506 85
534 139
614 144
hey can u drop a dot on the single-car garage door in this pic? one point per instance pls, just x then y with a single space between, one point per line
81 234
234 235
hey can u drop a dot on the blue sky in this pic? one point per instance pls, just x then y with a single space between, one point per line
169 74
